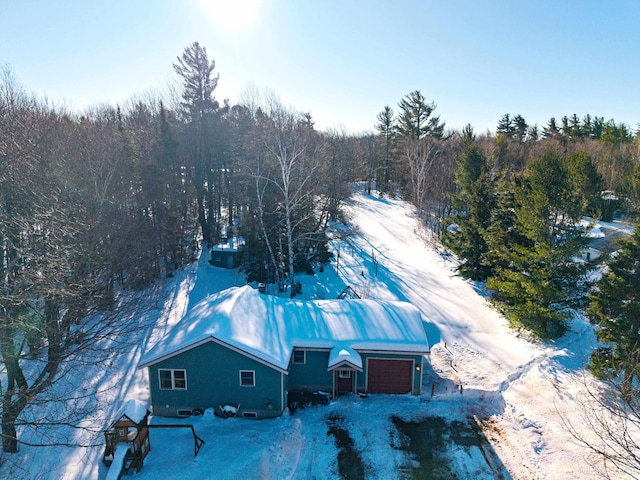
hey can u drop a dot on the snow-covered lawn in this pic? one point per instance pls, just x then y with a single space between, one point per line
478 367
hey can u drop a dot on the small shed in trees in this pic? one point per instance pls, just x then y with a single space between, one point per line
226 253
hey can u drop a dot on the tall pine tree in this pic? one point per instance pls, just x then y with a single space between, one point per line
415 119
200 109
472 207
385 127
615 310
534 246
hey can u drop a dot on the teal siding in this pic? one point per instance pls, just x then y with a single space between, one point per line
213 379
225 258
313 375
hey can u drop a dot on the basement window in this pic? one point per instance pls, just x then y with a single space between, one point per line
247 378
249 415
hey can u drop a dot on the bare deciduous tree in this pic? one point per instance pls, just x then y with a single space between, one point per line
607 424
288 139
421 154
54 276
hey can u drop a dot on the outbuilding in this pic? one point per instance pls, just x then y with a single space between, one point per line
227 253
243 349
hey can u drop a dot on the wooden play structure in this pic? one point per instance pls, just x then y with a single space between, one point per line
127 440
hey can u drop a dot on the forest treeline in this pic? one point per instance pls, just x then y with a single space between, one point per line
116 197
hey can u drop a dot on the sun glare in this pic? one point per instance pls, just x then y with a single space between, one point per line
232 14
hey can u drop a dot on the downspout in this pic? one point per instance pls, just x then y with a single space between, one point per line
355 386
282 392
333 385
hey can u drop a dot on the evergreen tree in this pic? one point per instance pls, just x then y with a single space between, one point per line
533 245
520 127
200 108
385 127
472 207
615 310
586 182
416 120
597 126
587 125
575 128
419 134
196 71
467 134
506 127
551 130
616 134
565 129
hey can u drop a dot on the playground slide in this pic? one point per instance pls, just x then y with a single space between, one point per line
118 461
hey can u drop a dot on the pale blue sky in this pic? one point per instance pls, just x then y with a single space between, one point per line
343 61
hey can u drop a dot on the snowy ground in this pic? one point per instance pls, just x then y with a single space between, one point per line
518 389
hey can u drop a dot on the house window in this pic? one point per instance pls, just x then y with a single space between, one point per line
247 378
299 356
345 373
172 379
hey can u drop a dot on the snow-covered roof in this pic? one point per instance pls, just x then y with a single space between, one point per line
342 355
133 410
233 244
268 327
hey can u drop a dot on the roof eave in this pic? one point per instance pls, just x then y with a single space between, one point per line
166 356
343 364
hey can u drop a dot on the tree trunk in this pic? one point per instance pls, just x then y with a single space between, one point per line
272 256
290 249
12 403
202 216
9 435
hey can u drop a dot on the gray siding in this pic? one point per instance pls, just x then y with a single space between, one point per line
213 379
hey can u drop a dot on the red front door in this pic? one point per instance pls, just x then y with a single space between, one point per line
345 380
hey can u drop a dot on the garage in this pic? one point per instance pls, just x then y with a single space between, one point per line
389 375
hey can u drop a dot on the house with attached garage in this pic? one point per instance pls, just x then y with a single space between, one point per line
244 349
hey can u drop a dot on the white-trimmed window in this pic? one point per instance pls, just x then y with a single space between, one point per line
345 373
299 356
247 378
172 379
